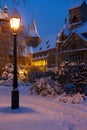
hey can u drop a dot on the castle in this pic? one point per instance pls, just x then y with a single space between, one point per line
70 44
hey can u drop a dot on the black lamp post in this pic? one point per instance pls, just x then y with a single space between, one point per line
15 24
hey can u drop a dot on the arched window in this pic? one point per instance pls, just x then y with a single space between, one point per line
75 19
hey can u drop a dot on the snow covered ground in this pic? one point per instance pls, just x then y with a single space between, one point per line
40 113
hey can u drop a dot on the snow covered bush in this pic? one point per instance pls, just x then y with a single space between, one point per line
72 99
75 74
7 75
8 72
45 87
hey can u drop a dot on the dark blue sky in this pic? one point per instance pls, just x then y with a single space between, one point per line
49 14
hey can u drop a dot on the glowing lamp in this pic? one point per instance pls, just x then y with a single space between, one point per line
15 23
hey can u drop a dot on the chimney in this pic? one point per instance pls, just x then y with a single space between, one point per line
65 22
5 9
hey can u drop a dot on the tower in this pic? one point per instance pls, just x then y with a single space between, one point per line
33 38
77 14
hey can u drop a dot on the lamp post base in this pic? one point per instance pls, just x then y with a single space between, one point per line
15 99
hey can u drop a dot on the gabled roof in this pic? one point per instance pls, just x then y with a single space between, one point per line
76 33
77 3
79 30
65 30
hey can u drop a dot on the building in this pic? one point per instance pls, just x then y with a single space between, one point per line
6 44
24 56
42 51
71 42
44 54
36 52
4 37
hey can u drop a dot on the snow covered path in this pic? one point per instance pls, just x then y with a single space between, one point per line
40 113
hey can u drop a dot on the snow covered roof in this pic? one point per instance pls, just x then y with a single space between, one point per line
29 49
47 43
3 15
32 30
77 3
65 30
82 28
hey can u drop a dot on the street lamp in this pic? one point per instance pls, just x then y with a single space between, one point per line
15 24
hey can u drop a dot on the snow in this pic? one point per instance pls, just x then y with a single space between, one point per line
82 28
77 3
32 29
47 43
3 15
40 113
33 33
79 31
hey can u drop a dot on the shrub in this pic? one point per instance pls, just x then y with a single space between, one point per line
45 87
7 72
75 74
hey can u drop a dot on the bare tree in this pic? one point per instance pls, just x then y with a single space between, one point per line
15 2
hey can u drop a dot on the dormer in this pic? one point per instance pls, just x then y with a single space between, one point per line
77 14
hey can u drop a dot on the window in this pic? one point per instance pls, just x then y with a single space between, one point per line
40 48
75 19
62 37
47 42
48 46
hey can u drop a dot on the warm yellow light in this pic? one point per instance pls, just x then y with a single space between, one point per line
40 63
15 23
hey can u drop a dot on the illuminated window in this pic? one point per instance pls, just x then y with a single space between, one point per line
40 63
